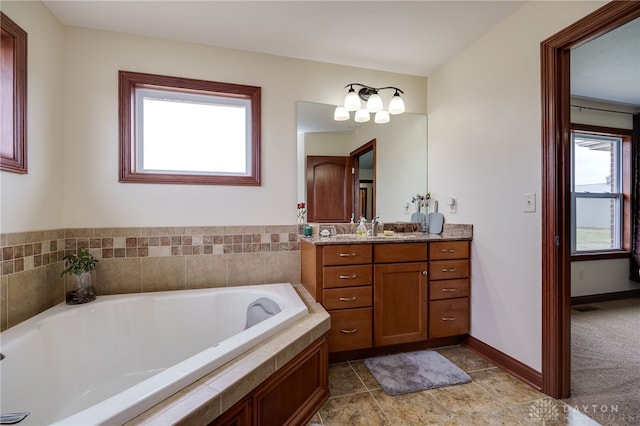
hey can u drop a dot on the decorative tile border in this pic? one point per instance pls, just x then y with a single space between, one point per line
29 250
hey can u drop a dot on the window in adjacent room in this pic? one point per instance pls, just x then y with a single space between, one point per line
177 130
600 195
13 96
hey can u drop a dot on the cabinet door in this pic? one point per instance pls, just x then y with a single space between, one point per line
347 298
350 329
448 317
346 254
441 250
346 276
449 269
400 303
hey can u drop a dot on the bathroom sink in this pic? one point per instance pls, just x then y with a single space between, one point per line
397 236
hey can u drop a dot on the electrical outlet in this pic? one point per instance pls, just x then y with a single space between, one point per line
453 205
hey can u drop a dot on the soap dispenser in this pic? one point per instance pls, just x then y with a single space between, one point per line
361 230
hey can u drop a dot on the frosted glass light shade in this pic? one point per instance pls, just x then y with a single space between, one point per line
340 114
382 117
352 101
374 104
362 116
396 106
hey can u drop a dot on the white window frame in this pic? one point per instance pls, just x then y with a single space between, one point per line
616 196
195 98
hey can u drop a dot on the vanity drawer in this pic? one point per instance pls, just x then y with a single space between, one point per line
448 269
448 289
448 250
347 297
400 252
449 317
350 329
346 276
346 254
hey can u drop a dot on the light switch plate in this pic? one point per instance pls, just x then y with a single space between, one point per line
529 202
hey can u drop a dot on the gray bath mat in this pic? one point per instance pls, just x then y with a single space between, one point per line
415 371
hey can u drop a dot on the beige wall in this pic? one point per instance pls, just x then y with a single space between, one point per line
485 149
86 193
35 200
93 196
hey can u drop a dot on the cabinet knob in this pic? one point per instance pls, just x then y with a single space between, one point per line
348 299
424 272
448 269
348 254
348 277
449 318
353 330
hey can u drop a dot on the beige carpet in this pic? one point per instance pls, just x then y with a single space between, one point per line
605 362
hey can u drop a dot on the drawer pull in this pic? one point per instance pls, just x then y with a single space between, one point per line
449 290
448 269
449 318
348 299
353 330
348 254
448 250
348 277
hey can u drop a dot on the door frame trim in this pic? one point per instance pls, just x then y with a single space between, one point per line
355 163
556 259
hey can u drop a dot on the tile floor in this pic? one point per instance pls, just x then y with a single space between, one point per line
494 397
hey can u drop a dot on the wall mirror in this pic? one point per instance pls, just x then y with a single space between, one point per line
390 161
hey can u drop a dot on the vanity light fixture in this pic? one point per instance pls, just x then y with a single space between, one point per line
352 102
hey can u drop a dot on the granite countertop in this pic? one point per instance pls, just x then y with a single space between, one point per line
450 232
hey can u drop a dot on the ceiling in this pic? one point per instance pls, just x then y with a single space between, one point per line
408 37
608 67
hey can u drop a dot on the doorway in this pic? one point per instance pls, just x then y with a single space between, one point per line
363 159
556 206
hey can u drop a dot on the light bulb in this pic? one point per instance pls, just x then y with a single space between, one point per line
340 114
396 106
382 117
374 104
362 116
352 101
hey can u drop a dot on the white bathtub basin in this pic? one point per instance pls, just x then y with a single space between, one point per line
108 361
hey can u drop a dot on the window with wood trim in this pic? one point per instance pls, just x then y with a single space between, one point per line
186 131
13 97
600 191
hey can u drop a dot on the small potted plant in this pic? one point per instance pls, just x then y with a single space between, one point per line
79 268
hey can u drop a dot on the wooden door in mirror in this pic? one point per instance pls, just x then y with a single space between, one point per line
329 189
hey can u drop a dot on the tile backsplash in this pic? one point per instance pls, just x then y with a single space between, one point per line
133 260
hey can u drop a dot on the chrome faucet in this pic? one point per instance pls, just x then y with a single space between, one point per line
374 225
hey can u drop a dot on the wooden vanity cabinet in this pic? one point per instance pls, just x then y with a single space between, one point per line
400 293
449 288
389 293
